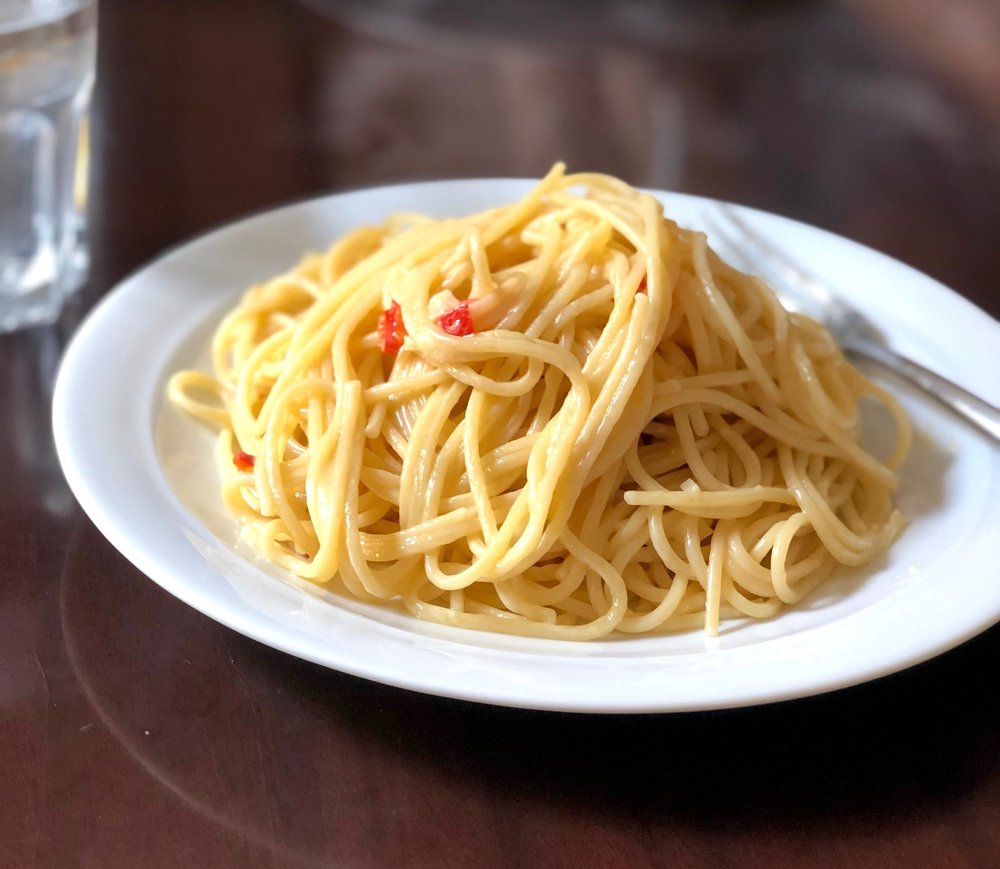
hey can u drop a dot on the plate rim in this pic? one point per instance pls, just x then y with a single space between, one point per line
89 497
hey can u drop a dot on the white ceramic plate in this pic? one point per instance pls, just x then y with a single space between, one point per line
143 474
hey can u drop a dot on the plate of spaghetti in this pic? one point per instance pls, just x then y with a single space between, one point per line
537 444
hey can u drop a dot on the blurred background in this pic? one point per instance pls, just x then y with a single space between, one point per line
878 119
135 732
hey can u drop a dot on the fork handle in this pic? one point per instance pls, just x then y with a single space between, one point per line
971 407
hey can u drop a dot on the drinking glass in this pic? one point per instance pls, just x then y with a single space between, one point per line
47 52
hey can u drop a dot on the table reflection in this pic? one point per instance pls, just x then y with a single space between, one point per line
292 758
30 359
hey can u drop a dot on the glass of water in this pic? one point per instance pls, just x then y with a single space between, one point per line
47 50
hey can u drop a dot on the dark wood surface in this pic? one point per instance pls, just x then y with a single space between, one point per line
135 732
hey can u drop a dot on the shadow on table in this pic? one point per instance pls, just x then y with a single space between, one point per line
301 761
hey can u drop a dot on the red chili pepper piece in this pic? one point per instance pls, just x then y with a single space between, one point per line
458 321
243 461
391 330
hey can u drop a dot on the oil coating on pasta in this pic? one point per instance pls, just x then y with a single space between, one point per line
564 418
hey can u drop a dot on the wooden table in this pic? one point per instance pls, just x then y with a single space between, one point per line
134 732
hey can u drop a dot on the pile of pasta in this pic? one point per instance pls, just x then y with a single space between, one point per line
563 417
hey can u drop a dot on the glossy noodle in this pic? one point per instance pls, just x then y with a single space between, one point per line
564 418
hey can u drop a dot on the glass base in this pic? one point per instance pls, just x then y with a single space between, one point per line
40 306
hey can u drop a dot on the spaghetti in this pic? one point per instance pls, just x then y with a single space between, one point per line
561 418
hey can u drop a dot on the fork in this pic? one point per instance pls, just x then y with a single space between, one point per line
856 334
